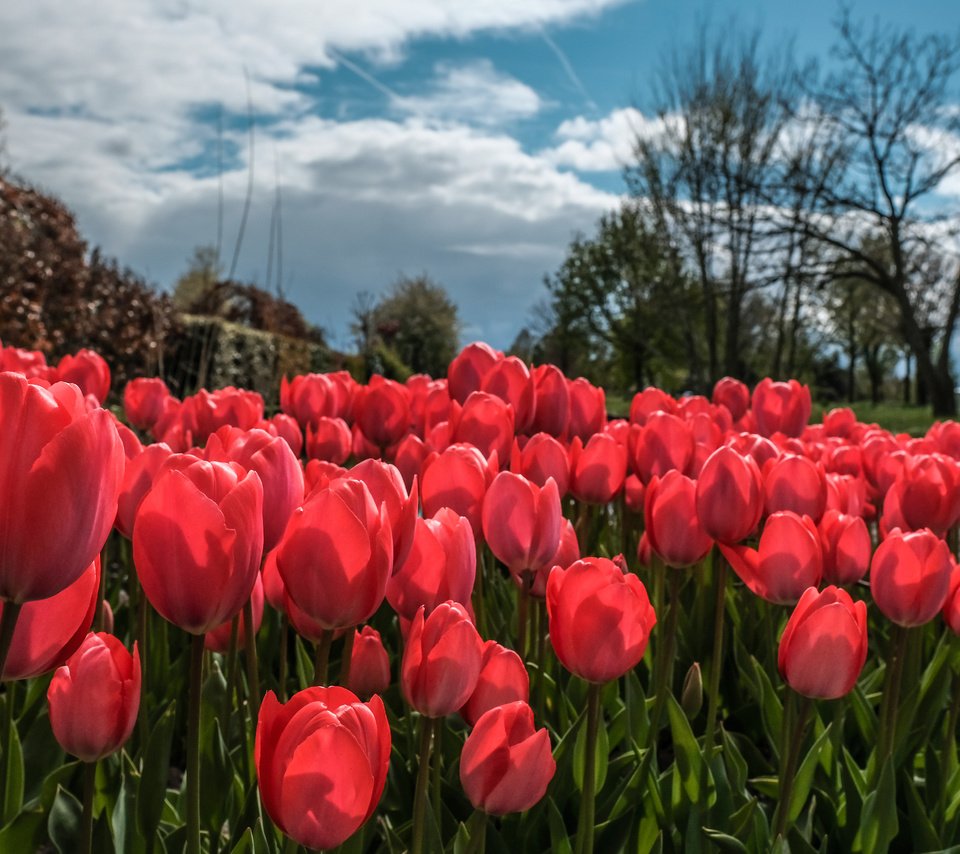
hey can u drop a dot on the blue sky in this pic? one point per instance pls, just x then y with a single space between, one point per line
467 141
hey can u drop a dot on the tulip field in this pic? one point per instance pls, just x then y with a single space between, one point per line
471 614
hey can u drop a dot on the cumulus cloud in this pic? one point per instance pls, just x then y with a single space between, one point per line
112 105
601 145
475 93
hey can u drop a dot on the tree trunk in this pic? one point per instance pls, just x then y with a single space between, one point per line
731 358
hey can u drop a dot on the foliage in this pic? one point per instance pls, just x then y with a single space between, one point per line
57 300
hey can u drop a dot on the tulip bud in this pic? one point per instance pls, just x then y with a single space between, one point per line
597 469
824 645
143 400
663 444
441 660
458 478
600 618
732 394
322 761
94 698
846 547
329 439
794 483
588 409
506 765
552 409
542 457
369 664
88 370
382 411
468 369
691 696
511 381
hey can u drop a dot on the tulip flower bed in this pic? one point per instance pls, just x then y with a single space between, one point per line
471 614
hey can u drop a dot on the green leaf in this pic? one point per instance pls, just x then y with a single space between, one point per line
559 840
22 834
152 788
924 836
63 824
13 775
245 845
689 761
879 824
803 779
771 709
724 841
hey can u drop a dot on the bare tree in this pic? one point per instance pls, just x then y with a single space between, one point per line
889 127
722 108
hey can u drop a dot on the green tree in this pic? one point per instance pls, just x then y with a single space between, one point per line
623 294
418 321
203 273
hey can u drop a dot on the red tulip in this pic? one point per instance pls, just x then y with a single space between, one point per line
286 427
567 552
732 394
336 555
48 631
466 372
440 566
840 422
552 408
198 540
924 495
600 618
781 407
729 496
319 474
597 469
281 474
59 481
138 477
458 478
382 411
31 363
441 660
787 562
951 608
369 664
506 765
521 522
322 761
487 423
503 679
388 489
511 381
95 697
824 646
588 409
312 396
88 370
910 576
409 458
218 639
329 439
672 526
664 443
542 457
794 483
648 401
846 547
143 400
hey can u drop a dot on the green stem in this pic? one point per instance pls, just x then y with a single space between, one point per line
588 805
193 745
526 582
423 780
98 615
8 622
790 757
478 607
716 665
346 660
891 698
231 667
666 657
322 660
284 655
437 781
250 649
477 827
86 818
291 846
143 717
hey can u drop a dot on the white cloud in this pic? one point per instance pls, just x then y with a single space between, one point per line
108 105
475 93
601 145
